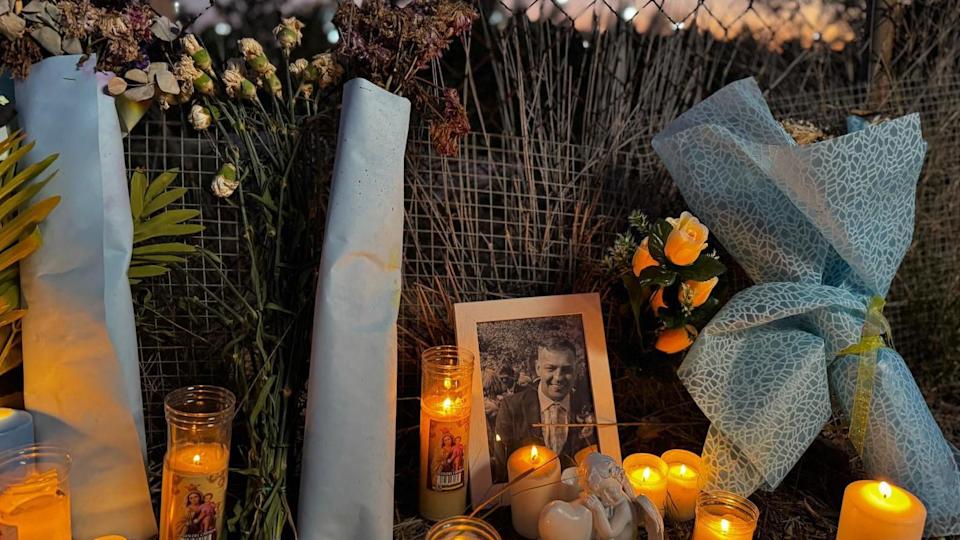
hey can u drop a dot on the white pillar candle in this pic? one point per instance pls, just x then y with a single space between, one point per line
16 429
529 495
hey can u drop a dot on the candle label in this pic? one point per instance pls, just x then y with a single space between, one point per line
447 454
197 513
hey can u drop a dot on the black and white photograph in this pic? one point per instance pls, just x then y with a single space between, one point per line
542 378
534 371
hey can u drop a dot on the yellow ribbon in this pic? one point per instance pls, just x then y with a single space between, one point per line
875 326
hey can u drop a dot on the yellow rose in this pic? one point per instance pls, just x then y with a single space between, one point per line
694 293
674 340
642 258
656 301
687 239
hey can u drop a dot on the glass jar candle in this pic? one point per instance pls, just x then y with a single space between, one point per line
447 378
199 419
647 474
684 478
722 515
35 493
462 528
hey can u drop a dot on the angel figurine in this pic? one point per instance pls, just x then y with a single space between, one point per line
607 509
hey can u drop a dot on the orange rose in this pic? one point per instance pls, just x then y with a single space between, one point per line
694 293
656 301
687 239
642 258
674 340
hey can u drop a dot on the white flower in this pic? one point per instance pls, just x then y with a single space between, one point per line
226 181
200 117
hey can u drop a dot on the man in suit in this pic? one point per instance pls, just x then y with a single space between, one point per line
553 400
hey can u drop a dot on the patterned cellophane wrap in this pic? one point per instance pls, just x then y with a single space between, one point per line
821 229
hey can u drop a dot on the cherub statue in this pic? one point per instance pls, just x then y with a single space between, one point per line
607 509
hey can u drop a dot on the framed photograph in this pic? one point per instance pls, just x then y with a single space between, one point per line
539 361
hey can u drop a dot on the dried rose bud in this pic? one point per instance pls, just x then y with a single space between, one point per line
200 55
288 33
226 181
298 67
200 117
273 84
260 65
248 90
204 85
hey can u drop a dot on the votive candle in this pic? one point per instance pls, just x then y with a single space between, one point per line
880 511
722 515
35 494
648 476
193 493
529 495
446 383
683 484
462 528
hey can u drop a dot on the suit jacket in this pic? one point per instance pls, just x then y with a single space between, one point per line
516 415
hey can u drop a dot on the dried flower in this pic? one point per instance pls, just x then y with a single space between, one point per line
298 67
288 33
272 83
329 71
79 18
804 132
186 72
306 89
18 55
12 26
226 181
250 48
446 132
238 86
201 56
139 19
200 117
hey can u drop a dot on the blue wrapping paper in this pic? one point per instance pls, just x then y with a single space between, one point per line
820 228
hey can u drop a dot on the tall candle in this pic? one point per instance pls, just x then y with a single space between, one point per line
722 515
447 374
683 484
529 495
193 494
16 429
880 511
648 476
35 496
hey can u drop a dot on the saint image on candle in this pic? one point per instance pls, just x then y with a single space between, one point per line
528 382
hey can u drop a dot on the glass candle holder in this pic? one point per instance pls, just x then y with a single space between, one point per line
447 378
195 466
462 528
684 478
648 476
35 493
722 515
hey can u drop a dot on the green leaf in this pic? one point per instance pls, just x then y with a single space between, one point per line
170 217
657 275
138 189
10 355
12 316
18 225
26 175
704 268
22 197
163 200
165 248
702 315
22 249
159 259
11 160
657 239
145 271
167 230
159 184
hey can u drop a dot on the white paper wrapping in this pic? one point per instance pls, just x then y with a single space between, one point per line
81 372
347 485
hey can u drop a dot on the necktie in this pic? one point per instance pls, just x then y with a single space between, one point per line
556 436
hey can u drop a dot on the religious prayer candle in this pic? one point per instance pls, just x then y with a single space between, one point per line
583 453
35 494
195 466
880 511
16 429
648 476
446 383
683 484
529 495
722 515
462 528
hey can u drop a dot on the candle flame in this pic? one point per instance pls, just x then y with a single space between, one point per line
447 405
646 474
885 490
724 526
534 454
497 437
683 470
447 383
196 459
